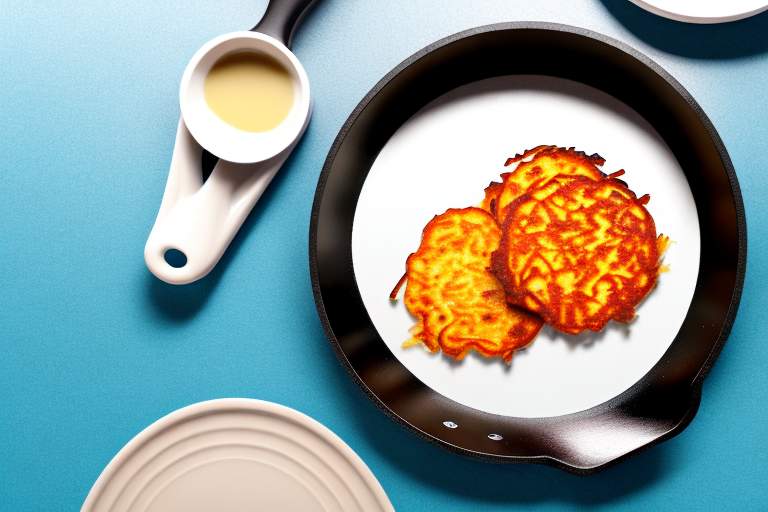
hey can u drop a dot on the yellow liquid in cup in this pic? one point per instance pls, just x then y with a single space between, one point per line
249 91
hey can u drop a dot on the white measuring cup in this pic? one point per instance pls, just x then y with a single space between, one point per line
200 219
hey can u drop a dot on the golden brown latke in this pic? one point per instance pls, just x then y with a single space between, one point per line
545 163
579 252
460 305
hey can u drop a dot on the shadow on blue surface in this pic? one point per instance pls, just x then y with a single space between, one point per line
719 41
179 303
176 303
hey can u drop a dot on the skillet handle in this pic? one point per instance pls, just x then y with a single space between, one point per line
280 18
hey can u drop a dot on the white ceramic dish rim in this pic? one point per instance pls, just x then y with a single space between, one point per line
697 14
220 138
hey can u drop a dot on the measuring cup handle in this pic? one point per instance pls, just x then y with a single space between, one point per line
199 220
281 18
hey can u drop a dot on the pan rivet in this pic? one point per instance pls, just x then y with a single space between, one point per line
495 437
450 424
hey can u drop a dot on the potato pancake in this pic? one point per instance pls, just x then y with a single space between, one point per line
579 252
459 303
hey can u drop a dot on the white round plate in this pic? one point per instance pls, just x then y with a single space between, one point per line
233 455
703 11
443 157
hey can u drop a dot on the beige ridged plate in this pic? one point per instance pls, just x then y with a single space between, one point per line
233 455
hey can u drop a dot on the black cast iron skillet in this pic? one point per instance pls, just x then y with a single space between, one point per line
665 400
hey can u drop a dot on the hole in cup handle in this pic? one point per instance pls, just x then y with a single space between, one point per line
175 258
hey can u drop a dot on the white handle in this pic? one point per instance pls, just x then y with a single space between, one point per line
199 219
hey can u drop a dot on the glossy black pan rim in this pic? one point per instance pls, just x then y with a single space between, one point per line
549 459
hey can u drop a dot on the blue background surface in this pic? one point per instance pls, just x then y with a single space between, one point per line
93 348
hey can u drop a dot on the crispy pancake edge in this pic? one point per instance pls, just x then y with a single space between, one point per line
523 178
